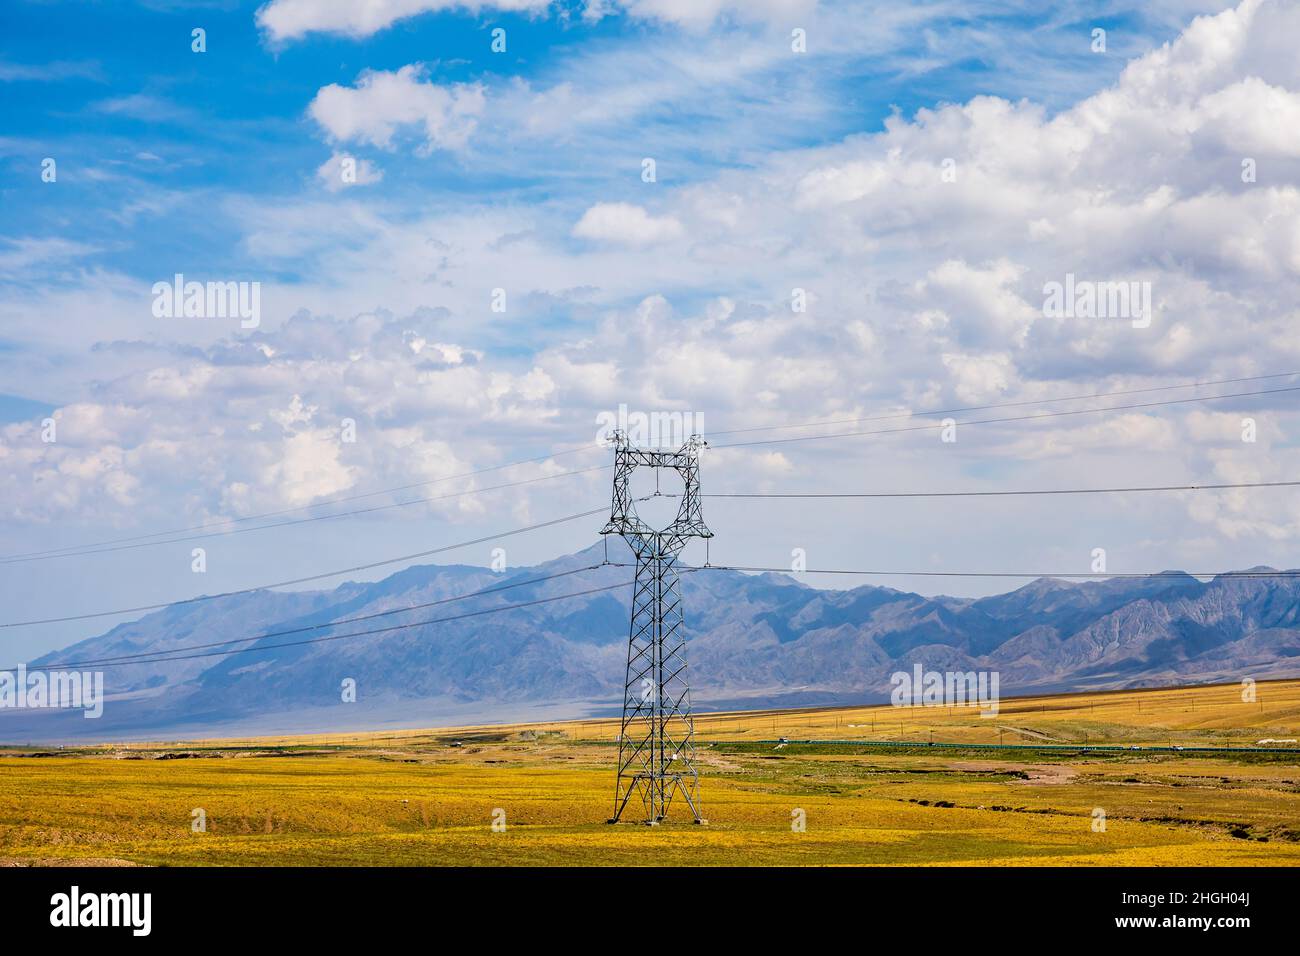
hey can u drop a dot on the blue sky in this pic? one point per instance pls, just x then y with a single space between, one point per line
152 135
522 171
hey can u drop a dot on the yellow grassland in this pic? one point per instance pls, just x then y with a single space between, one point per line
415 798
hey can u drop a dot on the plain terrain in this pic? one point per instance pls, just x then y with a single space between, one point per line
430 797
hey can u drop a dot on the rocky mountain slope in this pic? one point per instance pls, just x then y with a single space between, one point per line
755 640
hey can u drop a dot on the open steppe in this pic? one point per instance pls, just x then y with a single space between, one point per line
431 797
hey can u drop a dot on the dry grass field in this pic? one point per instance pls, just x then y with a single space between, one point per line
430 797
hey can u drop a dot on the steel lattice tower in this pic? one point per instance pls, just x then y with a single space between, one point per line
656 750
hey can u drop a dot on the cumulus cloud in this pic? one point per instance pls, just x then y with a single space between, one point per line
258 423
626 223
924 283
381 103
924 248
979 378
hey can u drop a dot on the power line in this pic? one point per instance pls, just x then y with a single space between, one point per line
58 552
109 544
172 656
81 549
72 553
314 627
313 577
378 630
1002 574
979 408
996 494
1014 418
427 553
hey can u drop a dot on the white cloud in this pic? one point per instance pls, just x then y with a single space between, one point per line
1254 118
308 468
292 19
696 13
342 170
979 305
54 71
255 424
979 378
29 258
923 294
383 102
145 106
625 223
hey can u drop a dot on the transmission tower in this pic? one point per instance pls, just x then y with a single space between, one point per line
656 749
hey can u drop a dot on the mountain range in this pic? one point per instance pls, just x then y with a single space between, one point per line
755 640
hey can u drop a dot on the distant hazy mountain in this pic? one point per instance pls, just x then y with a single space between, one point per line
754 641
